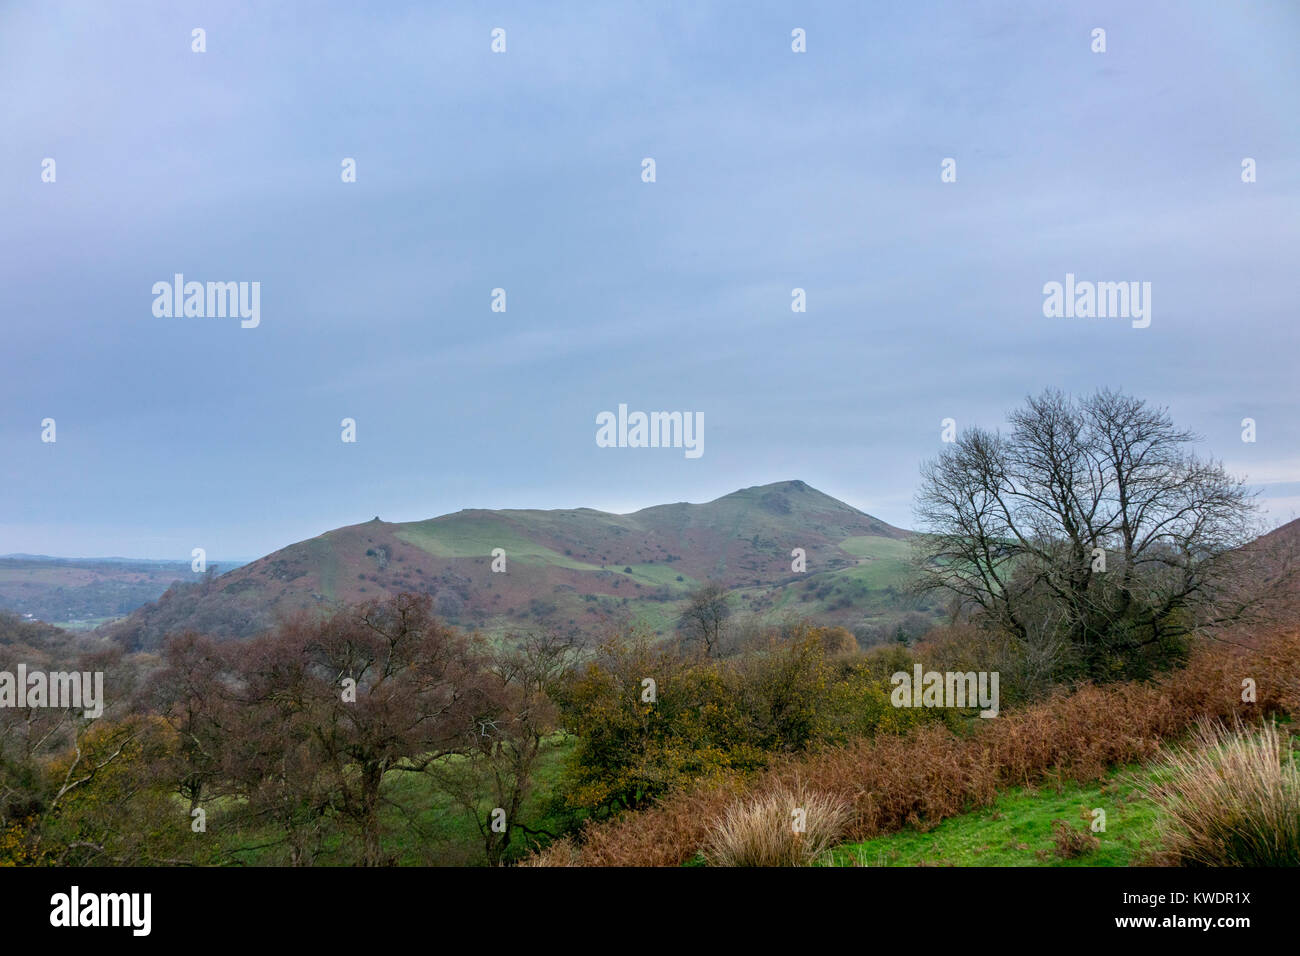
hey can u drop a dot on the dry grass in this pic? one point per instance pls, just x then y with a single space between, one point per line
760 830
929 774
1232 798
1071 842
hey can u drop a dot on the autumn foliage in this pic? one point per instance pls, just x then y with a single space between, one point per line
932 772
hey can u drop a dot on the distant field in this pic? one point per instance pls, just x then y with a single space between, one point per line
875 546
83 593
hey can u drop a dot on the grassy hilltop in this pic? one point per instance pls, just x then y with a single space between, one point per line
576 570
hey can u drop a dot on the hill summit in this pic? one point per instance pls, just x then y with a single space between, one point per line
572 569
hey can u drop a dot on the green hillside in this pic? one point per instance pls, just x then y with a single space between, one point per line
576 570
1018 829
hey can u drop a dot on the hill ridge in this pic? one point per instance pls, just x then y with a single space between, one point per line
578 569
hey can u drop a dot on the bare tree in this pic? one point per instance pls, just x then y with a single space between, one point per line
416 686
1092 514
704 619
491 776
324 711
188 693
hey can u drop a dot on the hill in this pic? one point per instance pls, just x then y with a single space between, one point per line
580 570
1285 538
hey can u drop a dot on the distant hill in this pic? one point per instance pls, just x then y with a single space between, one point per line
580 570
1271 567
81 593
1286 536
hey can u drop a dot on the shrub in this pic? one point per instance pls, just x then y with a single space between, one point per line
929 773
1071 843
1232 798
710 716
761 830
630 750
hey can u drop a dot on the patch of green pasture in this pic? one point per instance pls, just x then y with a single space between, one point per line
876 546
1017 829
476 538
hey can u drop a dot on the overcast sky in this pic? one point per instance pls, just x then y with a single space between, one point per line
522 170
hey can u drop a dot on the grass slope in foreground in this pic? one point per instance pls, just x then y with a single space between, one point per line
1017 830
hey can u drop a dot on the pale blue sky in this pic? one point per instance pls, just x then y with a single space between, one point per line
522 170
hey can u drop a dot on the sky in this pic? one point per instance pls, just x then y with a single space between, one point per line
522 170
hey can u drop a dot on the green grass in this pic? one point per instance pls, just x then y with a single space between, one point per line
875 575
450 538
866 585
1017 829
658 575
655 617
85 624
875 546
441 829
421 826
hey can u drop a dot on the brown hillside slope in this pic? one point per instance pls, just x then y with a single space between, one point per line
921 778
